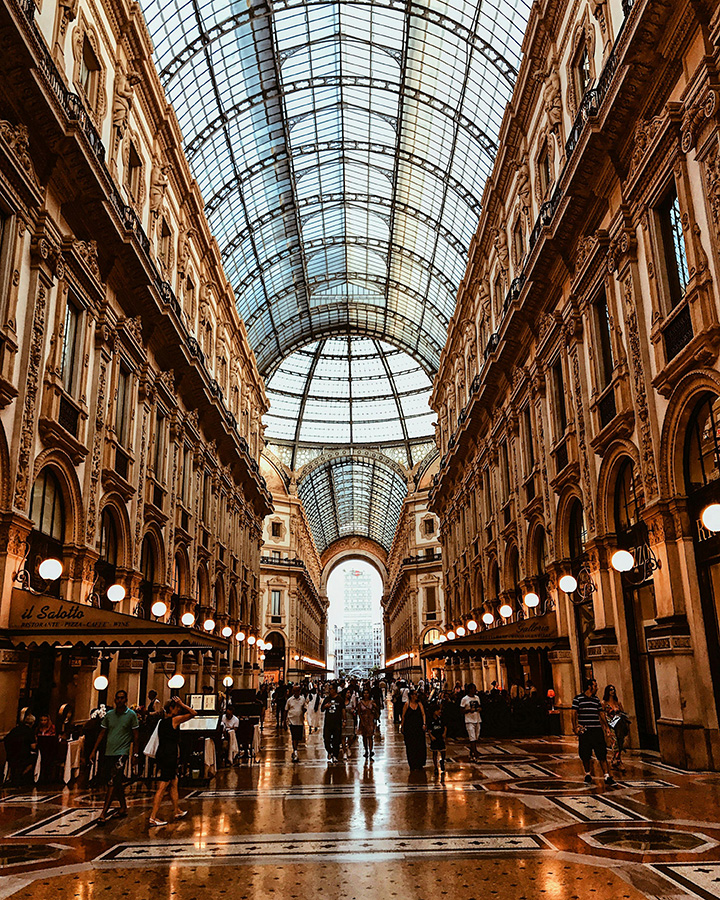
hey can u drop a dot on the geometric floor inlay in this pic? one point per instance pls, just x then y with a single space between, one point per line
69 822
654 839
307 792
320 847
20 854
702 879
597 809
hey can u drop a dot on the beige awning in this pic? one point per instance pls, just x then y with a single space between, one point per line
37 619
539 632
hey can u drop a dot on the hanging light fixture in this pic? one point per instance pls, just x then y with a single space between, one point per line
50 569
710 517
188 619
622 561
158 609
531 600
115 593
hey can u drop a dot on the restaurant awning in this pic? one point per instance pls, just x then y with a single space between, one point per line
537 632
37 620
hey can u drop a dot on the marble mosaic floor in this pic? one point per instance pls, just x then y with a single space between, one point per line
521 825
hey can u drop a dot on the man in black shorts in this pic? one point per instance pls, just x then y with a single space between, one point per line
590 724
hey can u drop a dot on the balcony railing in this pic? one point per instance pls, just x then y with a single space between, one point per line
422 558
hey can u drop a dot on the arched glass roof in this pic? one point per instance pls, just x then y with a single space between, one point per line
342 149
352 495
349 391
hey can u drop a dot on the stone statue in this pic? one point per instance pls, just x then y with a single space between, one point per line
158 186
122 101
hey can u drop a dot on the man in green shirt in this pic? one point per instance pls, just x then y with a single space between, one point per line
121 727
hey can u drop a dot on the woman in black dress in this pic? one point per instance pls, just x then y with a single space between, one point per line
412 726
167 756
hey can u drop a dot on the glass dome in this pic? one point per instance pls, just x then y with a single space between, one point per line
349 391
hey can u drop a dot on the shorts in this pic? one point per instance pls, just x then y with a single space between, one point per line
473 730
438 744
592 739
113 770
297 732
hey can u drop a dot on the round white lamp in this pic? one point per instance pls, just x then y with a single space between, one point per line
158 609
188 619
460 631
568 583
451 635
622 561
226 632
506 611
209 624
488 618
116 593
710 517
240 637
531 600
472 625
50 569
176 682
100 683
228 681
252 639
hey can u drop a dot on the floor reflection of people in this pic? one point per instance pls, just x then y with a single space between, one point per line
412 726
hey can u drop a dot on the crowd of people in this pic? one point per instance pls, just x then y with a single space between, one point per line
347 712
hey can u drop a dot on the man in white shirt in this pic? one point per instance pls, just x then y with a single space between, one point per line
295 709
230 723
470 704
405 695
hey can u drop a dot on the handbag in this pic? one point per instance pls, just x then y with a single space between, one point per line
153 745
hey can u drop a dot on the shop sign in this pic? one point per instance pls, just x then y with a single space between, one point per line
33 613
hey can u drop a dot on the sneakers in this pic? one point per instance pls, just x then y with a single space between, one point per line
588 779
181 814
156 823
610 781
294 756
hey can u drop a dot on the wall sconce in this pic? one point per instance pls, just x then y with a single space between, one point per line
472 625
531 600
188 619
240 637
158 609
226 632
506 611
581 588
49 570
488 618
710 517
209 624
176 682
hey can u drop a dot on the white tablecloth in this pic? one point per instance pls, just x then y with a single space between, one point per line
257 740
233 748
209 757
73 758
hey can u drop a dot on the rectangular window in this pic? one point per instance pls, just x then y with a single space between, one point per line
186 475
275 603
498 292
164 243
276 529
560 409
429 526
159 455
605 354
505 470
519 243
121 406
673 246
133 173
69 347
207 487
528 440
88 72
430 599
544 170
582 72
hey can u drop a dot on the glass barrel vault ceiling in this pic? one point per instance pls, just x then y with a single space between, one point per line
350 390
342 149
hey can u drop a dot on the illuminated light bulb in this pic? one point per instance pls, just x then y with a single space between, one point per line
461 631
568 583
488 618
176 682
436 641
240 637
451 635
251 640
188 619
116 593
260 644
472 625
50 569
442 639
262 656
532 599
296 657
711 517
158 608
100 683
209 624
268 645
226 632
622 561
228 681
506 611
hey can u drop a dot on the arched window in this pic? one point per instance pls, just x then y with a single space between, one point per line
702 446
106 566
543 578
577 535
627 512
432 634
47 512
147 570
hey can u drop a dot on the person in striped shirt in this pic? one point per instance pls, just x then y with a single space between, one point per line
590 725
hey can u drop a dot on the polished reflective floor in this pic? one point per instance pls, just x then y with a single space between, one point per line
521 825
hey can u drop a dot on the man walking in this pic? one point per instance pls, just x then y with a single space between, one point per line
122 729
470 704
590 725
332 729
295 711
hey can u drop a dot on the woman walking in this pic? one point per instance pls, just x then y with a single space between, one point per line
314 717
348 728
619 722
412 726
166 758
368 713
